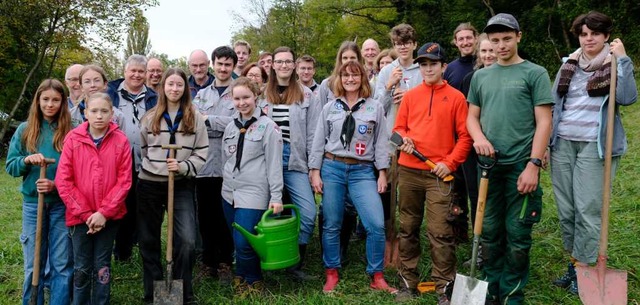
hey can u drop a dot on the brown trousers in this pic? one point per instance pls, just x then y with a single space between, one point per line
414 187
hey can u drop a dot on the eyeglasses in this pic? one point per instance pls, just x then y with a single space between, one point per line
154 71
73 79
404 44
254 75
353 76
306 69
287 62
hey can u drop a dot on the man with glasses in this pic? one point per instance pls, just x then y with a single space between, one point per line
72 80
199 69
306 69
154 74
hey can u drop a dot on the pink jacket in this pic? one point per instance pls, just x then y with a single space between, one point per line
91 179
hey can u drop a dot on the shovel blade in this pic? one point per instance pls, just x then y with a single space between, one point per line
469 291
600 286
167 292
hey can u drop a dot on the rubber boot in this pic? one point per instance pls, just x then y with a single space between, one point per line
332 281
296 270
378 283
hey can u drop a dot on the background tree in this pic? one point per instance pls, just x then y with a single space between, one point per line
138 36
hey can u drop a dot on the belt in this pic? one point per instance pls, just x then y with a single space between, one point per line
346 160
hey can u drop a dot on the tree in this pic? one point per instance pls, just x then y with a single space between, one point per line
51 23
138 36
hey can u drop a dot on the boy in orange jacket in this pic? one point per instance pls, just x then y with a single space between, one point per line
432 120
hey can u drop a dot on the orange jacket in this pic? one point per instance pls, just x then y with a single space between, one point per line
434 117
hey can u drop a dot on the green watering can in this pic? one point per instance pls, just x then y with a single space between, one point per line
277 240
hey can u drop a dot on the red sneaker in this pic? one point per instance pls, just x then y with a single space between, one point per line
332 281
378 283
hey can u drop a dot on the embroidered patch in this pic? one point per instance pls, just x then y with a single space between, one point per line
232 148
261 127
338 106
362 129
335 112
371 108
370 130
360 148
329 127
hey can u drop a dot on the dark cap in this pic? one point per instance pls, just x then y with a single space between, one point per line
430 50
502 19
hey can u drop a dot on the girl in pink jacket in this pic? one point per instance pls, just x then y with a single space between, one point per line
93 179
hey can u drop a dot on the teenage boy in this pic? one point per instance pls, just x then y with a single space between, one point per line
306 69
243 51
432 120
216 104
510 111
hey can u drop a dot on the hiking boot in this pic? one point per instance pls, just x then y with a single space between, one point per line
573 287
405 295
565 280
225 276
443 299
378 283
332 281
240 287
296 271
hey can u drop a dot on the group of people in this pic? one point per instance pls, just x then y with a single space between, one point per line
254 135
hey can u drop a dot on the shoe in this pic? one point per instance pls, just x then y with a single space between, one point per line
378 283
405 295
573 287
565 280
225 276
491 301
296 271
332 281
240 287
443 299
257 288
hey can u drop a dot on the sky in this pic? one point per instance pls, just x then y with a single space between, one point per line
177 27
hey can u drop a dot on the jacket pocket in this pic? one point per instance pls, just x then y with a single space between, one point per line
229 145
531 209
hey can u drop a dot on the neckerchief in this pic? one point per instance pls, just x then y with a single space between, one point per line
172 127
598 83
349 124
81 106
243 130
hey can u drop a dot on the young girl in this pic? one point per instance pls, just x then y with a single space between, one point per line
93 178
93 79
290 106
252 177
174 120
41 137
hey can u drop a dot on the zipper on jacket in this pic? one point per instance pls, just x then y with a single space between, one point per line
431 100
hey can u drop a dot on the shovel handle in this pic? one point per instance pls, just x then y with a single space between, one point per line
482 200
170 192
606 185
35 278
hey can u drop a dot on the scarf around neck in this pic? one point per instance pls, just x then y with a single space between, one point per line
598 83
349 124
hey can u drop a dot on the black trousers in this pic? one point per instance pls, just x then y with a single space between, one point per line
217 243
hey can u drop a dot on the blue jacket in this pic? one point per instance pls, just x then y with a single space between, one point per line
194 88
626 94
150 98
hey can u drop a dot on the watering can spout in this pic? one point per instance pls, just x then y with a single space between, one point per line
257 241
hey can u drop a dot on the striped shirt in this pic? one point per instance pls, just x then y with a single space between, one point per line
579 121
280 115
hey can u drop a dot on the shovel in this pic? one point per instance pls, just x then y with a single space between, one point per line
467 290
396 139
35 277
169 291
391 239
599 285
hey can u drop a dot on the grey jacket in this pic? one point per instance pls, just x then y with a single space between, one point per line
219 111
370 139
302 123
411 77
626 94
259 179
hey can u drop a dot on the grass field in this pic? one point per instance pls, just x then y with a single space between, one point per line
547 258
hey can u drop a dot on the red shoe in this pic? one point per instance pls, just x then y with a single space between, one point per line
332 281
378 283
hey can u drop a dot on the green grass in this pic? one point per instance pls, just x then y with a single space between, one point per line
547 258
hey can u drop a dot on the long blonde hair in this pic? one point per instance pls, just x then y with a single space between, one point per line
31 136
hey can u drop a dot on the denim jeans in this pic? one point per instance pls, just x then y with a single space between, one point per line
247 261
152 203
92 263
299 187
359 182
55 246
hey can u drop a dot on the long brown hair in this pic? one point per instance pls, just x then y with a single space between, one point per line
188 112
31 135
293 93
352 67
345 46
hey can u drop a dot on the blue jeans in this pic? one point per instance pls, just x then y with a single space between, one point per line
55 246
359 182
299 187
92 263
247 260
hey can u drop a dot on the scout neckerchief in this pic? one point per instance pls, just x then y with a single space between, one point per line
243 130
81 106
349 124
172 127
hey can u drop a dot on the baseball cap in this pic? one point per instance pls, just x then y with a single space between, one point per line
502 19
430 50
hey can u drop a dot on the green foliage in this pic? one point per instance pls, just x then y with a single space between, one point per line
138 36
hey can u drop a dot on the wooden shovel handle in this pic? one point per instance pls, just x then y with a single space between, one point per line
36 257
482 200
606 186
169 257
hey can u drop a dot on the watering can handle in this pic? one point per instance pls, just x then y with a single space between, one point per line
269 212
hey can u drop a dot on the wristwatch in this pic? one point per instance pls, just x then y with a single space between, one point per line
537 162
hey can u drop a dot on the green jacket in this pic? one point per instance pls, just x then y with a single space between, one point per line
30 174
